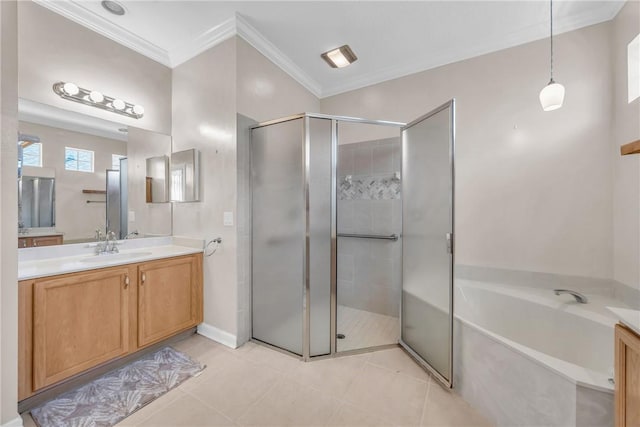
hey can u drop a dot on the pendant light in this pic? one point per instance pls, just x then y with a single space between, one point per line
552 95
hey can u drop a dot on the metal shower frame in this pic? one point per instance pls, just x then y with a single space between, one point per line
306 303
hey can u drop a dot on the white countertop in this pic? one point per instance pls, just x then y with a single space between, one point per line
69 260
38 232
628 317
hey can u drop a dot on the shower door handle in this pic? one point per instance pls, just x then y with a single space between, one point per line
450 243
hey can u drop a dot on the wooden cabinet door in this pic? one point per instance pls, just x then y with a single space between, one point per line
627 369
46 241
169 297
79 321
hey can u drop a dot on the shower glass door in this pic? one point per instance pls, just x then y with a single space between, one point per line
427 240
292 234
278 234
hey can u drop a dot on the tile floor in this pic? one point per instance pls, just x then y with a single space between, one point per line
364 329
256 386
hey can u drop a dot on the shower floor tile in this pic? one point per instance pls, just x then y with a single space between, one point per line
363 329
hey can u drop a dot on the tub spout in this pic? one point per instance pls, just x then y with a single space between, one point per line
577 295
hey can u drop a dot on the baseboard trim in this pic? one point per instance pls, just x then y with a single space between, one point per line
218 335
16 422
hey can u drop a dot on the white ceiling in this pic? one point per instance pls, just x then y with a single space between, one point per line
390 38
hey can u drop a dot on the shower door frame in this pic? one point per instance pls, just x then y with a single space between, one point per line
451 104
306 299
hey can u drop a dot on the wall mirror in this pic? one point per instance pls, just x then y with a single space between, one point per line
185 176
100 176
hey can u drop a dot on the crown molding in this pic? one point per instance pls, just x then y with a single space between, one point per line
75 12
608 11
237 25
204 41
275 55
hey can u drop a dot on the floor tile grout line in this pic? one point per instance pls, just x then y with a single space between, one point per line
329 421
258 400
156 411
400 372
210 407
426 402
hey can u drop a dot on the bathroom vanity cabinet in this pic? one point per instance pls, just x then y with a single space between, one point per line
74 322
627 377
36 242
167 302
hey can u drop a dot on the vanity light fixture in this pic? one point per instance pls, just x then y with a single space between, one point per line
340 57
552 95
97 99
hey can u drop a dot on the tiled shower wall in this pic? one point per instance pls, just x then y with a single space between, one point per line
369 202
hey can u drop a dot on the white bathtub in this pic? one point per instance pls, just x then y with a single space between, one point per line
528 357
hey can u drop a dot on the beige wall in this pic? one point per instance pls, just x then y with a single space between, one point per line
76 218
149 219
8 213
626 170
204 117
53 48
266 92
533 187
208 91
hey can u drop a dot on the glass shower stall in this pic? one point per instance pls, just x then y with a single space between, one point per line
352 236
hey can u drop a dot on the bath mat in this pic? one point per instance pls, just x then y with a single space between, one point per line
117 394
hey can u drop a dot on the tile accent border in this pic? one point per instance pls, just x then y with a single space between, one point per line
369 188
218 335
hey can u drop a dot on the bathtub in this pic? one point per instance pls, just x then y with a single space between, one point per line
527 357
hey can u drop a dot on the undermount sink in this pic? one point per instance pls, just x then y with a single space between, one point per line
114 257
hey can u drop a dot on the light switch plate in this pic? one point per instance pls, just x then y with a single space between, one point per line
132 216
227 219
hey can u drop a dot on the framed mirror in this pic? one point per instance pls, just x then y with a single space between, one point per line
100 175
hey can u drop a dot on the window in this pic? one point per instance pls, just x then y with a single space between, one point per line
115 161
32 155
633 64
76 159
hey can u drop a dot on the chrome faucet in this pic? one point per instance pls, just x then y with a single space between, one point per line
101 244
133 233
108 245
577 295
111 246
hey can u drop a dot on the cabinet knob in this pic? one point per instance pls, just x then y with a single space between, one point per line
143 278
126 282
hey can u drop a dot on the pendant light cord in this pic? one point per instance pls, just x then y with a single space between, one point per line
551 16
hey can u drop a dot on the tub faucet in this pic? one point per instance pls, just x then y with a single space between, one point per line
577 295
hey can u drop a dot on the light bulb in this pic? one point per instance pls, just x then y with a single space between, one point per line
70 89
118 104
96 96
338 58
138 109
552 96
